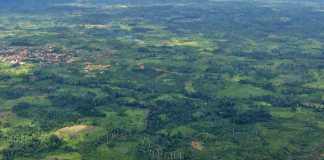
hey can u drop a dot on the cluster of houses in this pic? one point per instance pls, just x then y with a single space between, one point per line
14 57
47 55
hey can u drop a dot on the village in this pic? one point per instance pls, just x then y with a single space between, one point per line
21 55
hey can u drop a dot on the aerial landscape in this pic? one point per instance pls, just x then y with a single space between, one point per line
161 80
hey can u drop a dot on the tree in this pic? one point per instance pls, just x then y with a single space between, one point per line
54 142
253 116
21 109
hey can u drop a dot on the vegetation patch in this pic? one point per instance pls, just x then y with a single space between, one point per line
73 131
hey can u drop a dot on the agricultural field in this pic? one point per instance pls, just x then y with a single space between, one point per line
161 80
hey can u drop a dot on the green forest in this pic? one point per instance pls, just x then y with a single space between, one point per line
161 80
